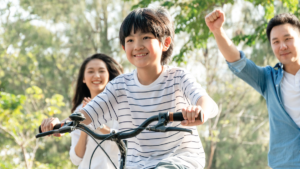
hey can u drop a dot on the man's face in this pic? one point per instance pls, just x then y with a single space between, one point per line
285 42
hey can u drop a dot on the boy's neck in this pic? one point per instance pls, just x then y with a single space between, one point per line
146 76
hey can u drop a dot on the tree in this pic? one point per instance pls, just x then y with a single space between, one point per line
43 44
19 124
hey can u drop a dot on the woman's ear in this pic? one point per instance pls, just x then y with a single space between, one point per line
123 47
167 43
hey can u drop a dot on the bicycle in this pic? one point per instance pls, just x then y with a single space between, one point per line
162 118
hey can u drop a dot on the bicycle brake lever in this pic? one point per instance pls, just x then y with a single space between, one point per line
178 129
162 122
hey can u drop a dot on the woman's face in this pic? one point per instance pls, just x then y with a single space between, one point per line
96 76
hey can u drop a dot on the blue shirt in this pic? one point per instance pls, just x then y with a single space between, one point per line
284 146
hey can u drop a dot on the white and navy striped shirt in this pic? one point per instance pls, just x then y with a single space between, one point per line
131 103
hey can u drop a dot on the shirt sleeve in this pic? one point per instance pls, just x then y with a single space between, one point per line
191 89
103 107
74 158
194 92
248 71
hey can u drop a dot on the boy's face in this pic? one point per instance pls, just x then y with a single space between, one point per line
285 43
143 50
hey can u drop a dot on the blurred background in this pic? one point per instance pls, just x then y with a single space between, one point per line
43 43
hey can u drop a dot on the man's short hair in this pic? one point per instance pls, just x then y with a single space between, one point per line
281 19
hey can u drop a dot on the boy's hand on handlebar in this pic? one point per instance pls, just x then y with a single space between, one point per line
190 114
215 20
48 125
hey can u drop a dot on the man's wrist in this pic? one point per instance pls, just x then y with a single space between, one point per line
218 32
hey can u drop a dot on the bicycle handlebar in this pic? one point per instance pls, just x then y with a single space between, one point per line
167 117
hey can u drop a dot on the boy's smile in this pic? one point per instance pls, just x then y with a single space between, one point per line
143 50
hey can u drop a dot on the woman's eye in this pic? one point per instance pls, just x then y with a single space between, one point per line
130 40
146 37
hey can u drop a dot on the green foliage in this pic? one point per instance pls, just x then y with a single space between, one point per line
19 125
42 45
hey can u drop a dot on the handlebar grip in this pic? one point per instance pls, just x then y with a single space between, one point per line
44 134
177 116
57 126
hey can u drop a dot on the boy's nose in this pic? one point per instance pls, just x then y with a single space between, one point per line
139 47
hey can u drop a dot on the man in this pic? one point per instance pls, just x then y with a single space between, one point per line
279 85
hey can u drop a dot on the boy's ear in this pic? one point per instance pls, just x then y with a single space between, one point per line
123 47
167 43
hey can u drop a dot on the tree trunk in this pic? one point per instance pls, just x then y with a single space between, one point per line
212 153
24 154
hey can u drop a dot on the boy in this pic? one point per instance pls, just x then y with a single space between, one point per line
146 35
279 85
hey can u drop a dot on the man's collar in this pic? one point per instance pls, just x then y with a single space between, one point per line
279 65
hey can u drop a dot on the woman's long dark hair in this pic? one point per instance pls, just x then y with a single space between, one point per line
114 69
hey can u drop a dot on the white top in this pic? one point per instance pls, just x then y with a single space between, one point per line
290 93
100 159
131 103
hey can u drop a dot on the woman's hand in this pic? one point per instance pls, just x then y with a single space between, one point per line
48 125
85 101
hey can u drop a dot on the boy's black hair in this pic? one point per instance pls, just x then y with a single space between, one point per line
156 21
281 19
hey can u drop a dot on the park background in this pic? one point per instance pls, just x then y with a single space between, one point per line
43 43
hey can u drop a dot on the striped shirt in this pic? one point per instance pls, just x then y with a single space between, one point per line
131 103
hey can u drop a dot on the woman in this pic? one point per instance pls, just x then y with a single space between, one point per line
95 72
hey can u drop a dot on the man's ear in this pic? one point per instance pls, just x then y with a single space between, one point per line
167 43
123 47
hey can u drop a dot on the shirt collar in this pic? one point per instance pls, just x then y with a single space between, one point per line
279 68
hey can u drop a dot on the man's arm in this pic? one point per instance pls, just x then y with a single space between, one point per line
215 21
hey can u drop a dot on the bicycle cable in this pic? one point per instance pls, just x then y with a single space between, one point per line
99 145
